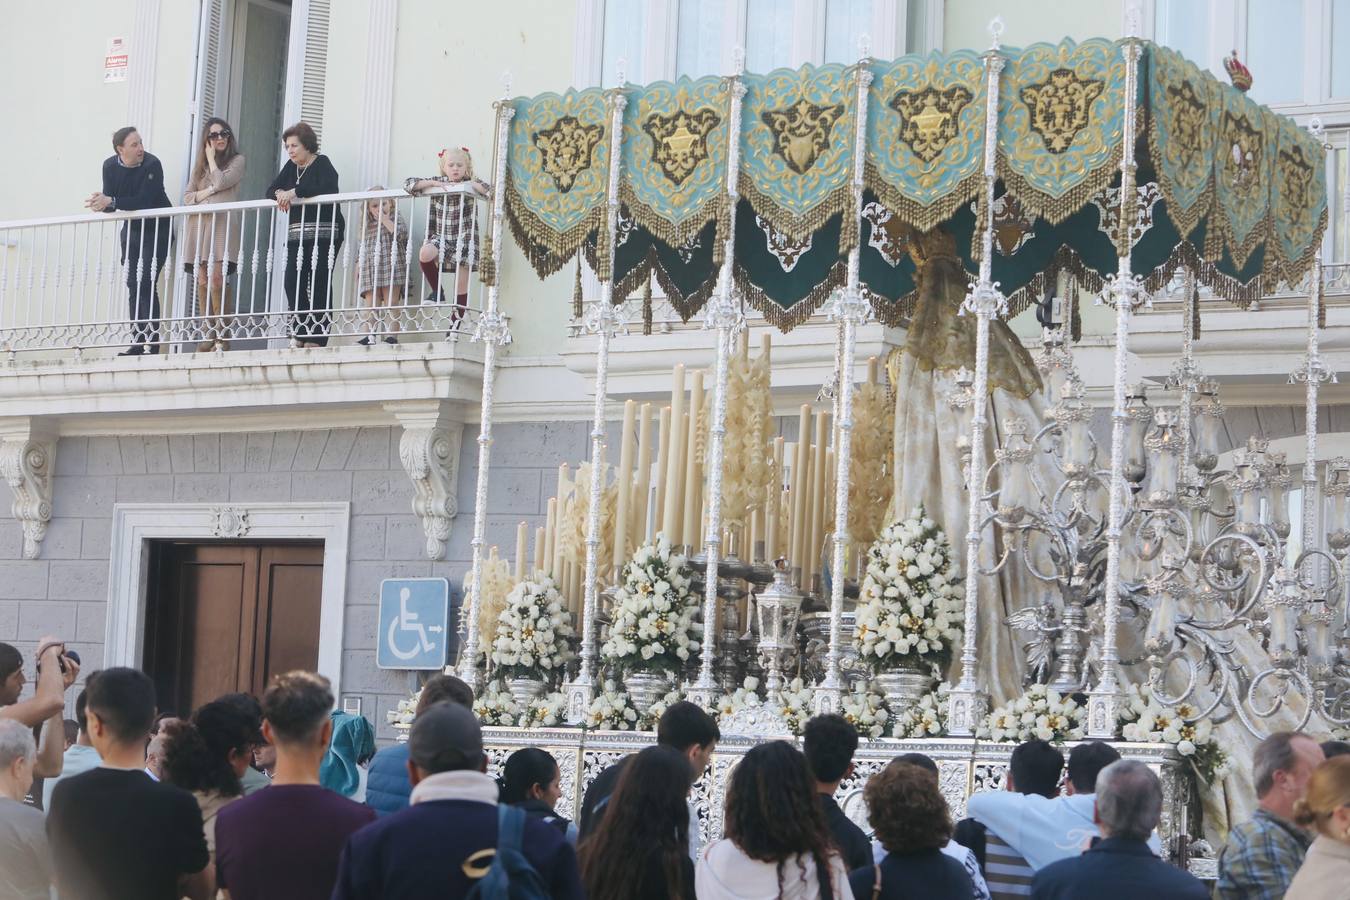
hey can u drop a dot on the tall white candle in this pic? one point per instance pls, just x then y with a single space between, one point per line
662 463
641 494
550 534
693 485
522 547
624 480
671 513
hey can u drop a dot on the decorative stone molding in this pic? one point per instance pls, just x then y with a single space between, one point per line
27 457
229 521
429 451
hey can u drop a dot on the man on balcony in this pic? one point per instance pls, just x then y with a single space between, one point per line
132 180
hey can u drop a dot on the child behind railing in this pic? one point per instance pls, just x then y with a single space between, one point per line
383 272
452 228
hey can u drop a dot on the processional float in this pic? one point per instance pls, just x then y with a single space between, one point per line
1038 176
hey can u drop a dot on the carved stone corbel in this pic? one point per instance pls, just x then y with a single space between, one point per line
27 457
429 451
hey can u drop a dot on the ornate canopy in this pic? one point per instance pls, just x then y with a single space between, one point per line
1224 184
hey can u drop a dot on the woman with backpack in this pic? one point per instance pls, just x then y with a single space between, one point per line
532 781
640 848
777 842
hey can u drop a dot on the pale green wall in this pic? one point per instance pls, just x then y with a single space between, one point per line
59 115
449 62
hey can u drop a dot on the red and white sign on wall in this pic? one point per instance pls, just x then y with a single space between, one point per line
115 61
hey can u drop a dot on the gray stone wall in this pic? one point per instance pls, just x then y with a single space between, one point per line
65 591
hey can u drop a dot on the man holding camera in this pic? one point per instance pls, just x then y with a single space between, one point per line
56 671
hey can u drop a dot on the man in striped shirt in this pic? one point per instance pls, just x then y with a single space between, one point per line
1033 770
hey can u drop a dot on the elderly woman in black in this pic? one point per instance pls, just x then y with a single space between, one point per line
314 236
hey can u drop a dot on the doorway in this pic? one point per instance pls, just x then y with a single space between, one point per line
223 617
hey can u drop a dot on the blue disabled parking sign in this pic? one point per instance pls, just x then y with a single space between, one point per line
414 630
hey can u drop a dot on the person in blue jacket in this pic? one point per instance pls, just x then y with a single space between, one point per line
387 784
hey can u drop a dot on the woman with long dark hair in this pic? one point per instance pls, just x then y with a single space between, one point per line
777 842
207 755
640 849
211 242
532 780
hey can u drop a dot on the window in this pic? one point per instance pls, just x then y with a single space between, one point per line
768 44
699 42
625 40
1275 49
845 22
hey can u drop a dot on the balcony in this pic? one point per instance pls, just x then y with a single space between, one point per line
65 313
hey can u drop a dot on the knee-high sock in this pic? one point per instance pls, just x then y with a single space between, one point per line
431 270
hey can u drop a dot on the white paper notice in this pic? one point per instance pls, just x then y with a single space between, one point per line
115 61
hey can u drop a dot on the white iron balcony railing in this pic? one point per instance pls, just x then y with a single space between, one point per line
217 276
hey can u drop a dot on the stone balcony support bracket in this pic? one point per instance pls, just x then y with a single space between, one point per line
429 451
27 458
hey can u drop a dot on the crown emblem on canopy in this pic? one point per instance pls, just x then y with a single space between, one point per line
1239 74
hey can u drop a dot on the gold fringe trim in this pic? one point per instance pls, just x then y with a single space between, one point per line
1194 301
787 319
577 310
923 218
1066 259
547 249
647 308
640 276
487 261
1056 209
674 234
1219 237
796 227
1291 270
893 313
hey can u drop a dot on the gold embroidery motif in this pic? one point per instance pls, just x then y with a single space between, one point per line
928 118
1189 120
679 141
1243 162
1296 181
1060 107
565 149
801 132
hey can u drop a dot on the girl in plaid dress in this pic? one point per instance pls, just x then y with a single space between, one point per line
384 249
452 227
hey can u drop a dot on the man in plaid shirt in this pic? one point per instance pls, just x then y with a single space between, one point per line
1262 855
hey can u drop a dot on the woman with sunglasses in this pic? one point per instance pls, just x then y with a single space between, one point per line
211 241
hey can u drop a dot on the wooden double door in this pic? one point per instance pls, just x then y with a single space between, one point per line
224 617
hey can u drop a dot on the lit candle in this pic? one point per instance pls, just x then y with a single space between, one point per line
641 496
522 547
670 520
623 479
693 485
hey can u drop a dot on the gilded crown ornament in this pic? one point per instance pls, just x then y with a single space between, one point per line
1238 74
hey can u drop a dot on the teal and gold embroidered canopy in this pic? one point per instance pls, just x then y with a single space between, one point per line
1226 186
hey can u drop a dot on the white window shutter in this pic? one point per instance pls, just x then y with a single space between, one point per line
316 64
211 96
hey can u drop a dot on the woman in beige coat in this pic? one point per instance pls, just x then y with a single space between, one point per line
1326 807
211 242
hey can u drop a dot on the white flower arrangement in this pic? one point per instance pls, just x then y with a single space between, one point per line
611 709
744 697
796 700
1146 720
534 632
867 712
910 605
1039 713
548 711
401 716
496 707
653 627
649 720
925 719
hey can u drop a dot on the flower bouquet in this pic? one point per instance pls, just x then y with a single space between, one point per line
533 639
1147 720
612 710
495 706
1038 713
909 608
925 719
867 712
549 711
797 699
653 631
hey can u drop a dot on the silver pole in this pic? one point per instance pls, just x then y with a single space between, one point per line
1126 293
494 331
603 320
725 315
968 702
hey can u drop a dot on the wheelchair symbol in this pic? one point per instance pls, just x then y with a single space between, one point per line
407 624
